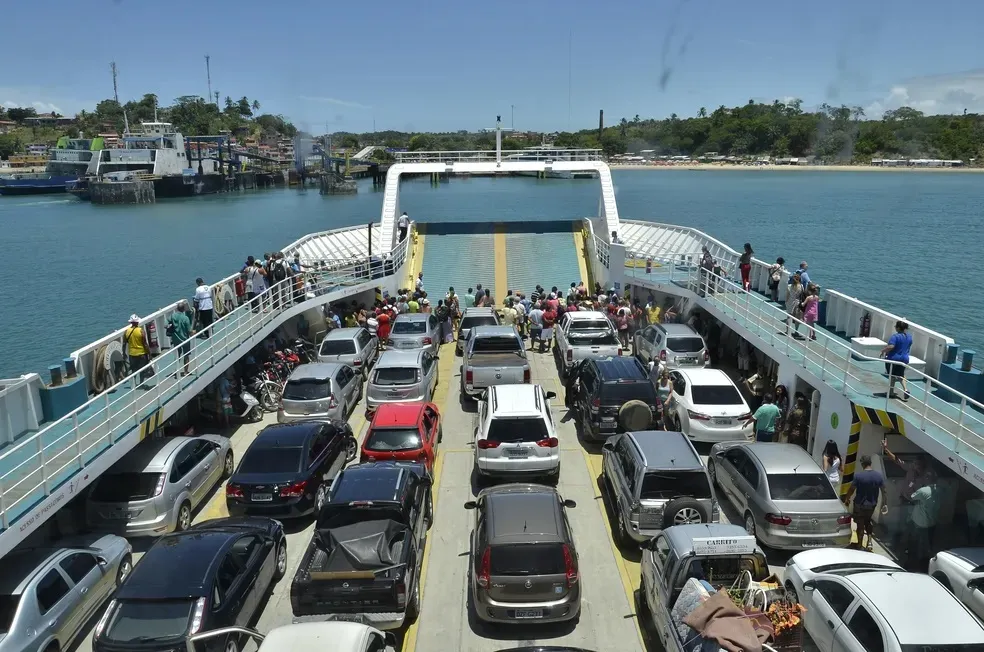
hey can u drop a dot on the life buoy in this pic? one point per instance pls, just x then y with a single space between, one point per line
223 300
108 358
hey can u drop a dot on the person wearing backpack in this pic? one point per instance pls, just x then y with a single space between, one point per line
775 278
443 314
278 273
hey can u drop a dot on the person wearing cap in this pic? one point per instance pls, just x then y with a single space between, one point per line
137 348
425 305
179 330
203 306
804 276
256 283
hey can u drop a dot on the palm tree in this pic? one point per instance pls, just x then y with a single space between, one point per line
256 105
702 113
636 119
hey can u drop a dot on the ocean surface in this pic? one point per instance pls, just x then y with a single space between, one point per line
907 242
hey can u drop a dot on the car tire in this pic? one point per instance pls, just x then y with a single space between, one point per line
791 592
429 511
413 608
52 647
351 450
232 644
750 525
712 472
228 465
320 498
622 538
685 511
183 521
281 560
123 570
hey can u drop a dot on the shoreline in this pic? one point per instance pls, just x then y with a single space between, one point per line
700 167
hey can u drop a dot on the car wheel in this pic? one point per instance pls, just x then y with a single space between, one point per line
184 517
123 571
712 472
320 497
750 525
351 450
429 511
413 609
229 465
232 645
52 647
685 511
622 537
281 560
791 592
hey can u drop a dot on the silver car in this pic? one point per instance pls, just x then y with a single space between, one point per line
322 390
401 376
156 487
47 595
355 347
671 345
416 330
474 317
783 496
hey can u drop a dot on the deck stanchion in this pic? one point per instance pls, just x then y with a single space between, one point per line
960 424
44 467
108 422
78 439
823 362
3 508
925 410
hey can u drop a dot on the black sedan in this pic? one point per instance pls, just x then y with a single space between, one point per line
287 470
215 574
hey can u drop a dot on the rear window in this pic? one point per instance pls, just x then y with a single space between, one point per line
593 338
8 609
393 439
497 344
590 325
264 459
387 376
800 486
691 344
625 391
672 484
472 322
150 620
307 390
124 487
528 559
517 429
409 327
337 347
715 395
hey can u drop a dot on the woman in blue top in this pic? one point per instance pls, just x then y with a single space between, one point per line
898 351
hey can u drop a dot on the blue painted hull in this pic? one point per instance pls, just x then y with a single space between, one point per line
43 185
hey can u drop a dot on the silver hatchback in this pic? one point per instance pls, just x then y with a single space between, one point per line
355 347
155 488
674 346
322 390
416 330
401 376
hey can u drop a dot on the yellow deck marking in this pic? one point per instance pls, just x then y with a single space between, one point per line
499 247
579 248
416 259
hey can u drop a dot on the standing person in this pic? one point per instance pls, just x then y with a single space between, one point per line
138 349
811 308
867 488
832 464
664 390
203 307
520 307
546 337
443 314
256 284
276 274
745 267
925 511
764 420
419 283
897 350
509 314
804 276
383 328
469 298
782 402
622 324
798 423
403 223
794 298
536 326
454 307
775 278
706 269
179 330
915 479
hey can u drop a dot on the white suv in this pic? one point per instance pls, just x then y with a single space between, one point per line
515 434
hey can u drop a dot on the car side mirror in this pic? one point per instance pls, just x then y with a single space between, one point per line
570 504
471 504
608 446
810 585
390 639
102 561
976 584
551 395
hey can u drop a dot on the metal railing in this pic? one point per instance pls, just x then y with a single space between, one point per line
832 359
41 462
484 156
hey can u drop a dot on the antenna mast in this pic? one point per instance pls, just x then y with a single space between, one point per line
116 94
570 74
208 73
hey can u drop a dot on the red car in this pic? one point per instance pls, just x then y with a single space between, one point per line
403 432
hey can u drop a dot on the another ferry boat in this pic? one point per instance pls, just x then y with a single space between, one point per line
70 160
553 153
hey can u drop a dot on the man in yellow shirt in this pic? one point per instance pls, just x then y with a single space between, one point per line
137 348
652 312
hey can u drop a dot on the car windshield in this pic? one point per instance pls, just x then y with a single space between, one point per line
393 439
673 484
594 338
933 647
8 609
307 389
405 327
471 322
497 344
267 459
800 486
628 390
124 487
715 395
692 344
396 376
337 347
528 559
138 621
590 325
517 429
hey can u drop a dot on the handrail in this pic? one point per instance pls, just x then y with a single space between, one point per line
507 155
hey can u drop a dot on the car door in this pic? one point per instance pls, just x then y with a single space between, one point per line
229 594
678 390
183 473
90 584
319 463
747 486
831 600
973 594
208 469
57 606
346 389
861 633
727 472
368 346
428 375
434 329
645 343
255 558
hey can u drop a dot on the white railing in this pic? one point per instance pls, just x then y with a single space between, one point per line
486 156
43 461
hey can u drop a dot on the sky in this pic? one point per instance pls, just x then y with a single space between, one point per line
543 65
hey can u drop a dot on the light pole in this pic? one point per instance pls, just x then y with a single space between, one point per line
512 117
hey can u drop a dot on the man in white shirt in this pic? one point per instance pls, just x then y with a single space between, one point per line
203 306
403 223
420 282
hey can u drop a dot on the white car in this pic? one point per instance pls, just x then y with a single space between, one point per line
961 570
516 435
706 406
805 566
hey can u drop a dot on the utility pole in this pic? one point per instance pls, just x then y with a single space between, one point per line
208 73
116 94
512 116
216 98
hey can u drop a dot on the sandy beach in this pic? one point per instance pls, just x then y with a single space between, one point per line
700 167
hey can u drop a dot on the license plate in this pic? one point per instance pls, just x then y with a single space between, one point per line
814 544
262 498
529 613
408 345
722 422
608 419
687 360
517 452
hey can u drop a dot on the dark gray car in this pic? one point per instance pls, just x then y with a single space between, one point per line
524 566
355 347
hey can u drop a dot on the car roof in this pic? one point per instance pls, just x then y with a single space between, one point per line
347 333
516 399
586 314
394 358
820 557
150 455
677 329
479 311
491 331
619 368
317 636
20 567
782 458
379 481
412 316
396 415
681 537
666 450
971 557
316 371
517 513
195 552
287 435
918 608
706 376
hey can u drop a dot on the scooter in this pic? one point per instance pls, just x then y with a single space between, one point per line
251 407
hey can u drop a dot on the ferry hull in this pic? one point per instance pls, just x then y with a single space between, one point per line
178 186
39 186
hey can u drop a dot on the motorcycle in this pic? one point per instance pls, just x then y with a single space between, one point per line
245 406
266 391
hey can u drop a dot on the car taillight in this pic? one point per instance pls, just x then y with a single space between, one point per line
332 403
570 566
745 417
485 569
596 404
161 481
778 519
526 375
428 340
401 594
293 490
357 363
707 357
233 491
469 377
484 444
698 416
662 356
570 355
844 520
620 352
550 442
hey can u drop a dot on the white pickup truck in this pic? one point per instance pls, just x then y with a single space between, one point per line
494 355
585 334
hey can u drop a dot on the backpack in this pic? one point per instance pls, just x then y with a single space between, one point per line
279 272
442 313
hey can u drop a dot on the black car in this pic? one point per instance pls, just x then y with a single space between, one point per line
604 386
215 574
287 470
365 556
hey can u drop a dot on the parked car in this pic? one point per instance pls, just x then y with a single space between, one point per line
706 406
288 468
469 319
155 488
416 330
961 571
807 565
403 432
655 480
604 387
401 376
584 334
344 637
321 390
675 346
524 565
49 594
783 496
356 347
216 574
515 434
367 550
494 355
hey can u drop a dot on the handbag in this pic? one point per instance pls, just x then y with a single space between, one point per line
169 330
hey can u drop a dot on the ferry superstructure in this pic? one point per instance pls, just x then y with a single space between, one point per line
97 415
71 159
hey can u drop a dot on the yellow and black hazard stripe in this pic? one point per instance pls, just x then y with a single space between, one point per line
887 420
150 425
379 295
859 416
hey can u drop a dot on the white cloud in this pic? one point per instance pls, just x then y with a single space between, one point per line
336 102
10 105
935 94
45 107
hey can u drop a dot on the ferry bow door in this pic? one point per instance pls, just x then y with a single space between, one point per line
814 419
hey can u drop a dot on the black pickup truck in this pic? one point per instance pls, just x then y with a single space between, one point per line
363 562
